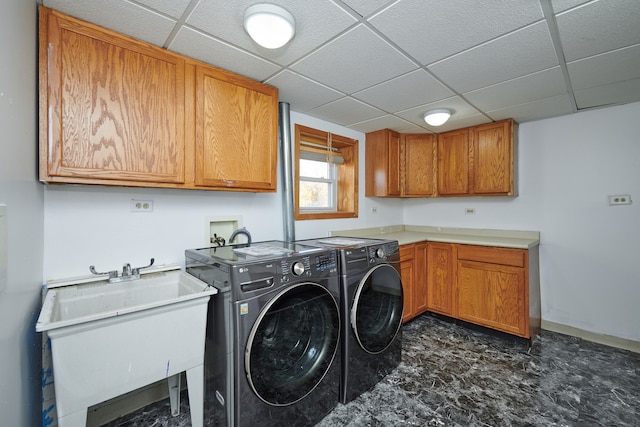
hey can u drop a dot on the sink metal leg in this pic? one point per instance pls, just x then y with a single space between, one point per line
195 385
174 394
74 419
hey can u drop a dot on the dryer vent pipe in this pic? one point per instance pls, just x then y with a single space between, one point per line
286 165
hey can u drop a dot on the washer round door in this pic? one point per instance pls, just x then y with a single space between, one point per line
376 312
292 344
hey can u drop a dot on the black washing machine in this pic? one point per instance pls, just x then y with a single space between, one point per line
272 352
371 308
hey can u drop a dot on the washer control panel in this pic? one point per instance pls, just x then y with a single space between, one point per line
312 266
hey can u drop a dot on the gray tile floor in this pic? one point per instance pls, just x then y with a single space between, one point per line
455 374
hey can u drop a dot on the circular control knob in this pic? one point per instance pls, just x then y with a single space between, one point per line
297 268
380 253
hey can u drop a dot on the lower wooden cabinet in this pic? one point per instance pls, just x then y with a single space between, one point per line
489 286
440 277
413 271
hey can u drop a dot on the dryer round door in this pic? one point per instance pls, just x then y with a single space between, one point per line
376 312
292 344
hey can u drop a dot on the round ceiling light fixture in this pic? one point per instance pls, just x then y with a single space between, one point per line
437 117
269 25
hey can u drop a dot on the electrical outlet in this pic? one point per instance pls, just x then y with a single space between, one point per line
374 210
141 205
620 199
469 211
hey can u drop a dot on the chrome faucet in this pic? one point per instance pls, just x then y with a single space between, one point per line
128 273
242 230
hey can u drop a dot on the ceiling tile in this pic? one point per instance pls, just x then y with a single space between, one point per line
346 111
173 8
354 61
430 30
516 54
316 23
207 49
301 93
536 110
609 94
388 122
364 63
127 18
365 7
612 67
532 87
418 87
561 5
598 27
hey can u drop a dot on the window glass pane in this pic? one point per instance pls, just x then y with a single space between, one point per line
315 194
313 169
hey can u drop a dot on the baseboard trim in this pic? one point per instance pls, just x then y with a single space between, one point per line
609 340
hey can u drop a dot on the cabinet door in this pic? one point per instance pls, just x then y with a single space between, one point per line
440 263
418 161
492 295
382 164
112 108
407 275
492 158
420 284
236 131
453 163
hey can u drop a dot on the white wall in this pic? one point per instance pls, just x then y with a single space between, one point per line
19 190
567 167
93 225
589 250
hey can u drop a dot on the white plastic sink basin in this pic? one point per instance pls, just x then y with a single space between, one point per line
111 338
80 303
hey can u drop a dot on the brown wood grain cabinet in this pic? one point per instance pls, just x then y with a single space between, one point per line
478 161
453 163
112 110
493 289
399 165
413 271
474 161
492 156
236 119
417 167
489 286
440 277
382 164
119 111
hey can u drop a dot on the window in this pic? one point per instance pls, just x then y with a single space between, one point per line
326 175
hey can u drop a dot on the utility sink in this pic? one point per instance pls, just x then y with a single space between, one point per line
111 338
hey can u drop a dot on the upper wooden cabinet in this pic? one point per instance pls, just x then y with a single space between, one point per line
418 154
382 163
453 163
236 120
475 161
492 158
399 165
119 111
111 109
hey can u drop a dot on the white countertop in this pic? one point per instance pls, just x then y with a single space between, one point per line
407 234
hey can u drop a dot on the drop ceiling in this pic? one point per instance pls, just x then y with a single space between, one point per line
373 64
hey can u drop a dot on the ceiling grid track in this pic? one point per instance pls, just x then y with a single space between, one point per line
547 11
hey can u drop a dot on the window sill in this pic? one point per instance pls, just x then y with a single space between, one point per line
324 215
